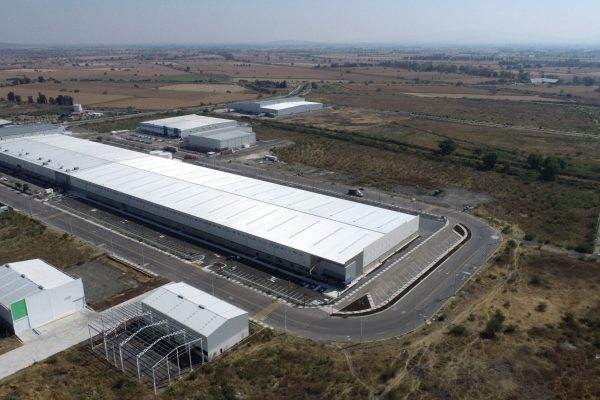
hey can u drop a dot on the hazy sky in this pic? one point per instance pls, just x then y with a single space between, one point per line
332 21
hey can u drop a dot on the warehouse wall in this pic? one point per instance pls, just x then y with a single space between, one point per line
51 304
381 248
228 335
210 143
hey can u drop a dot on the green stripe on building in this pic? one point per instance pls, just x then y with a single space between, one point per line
18 309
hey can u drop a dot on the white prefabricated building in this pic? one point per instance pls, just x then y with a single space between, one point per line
34 293
220 325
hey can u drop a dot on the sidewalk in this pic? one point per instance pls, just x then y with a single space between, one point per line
54 338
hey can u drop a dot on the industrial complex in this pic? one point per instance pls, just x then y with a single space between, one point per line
310 234
202 133
276 107
34 293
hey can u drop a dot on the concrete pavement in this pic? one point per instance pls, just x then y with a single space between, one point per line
53 338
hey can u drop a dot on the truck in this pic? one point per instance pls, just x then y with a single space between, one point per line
355 193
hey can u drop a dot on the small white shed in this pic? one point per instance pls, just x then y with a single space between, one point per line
33 293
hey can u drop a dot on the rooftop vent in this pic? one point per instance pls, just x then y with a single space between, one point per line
180 296
200 307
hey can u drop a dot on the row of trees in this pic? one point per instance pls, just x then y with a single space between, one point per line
549 167
26 80
61 100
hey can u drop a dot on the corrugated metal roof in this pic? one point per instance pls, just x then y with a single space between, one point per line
41 273
190 121
223 134
327 227
287 104
191 307
14 287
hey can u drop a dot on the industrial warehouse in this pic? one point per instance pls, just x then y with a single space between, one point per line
328 238
202 133
276 107
34 293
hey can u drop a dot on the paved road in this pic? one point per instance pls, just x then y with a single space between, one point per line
410 311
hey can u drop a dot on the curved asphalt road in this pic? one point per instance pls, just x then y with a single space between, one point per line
411 310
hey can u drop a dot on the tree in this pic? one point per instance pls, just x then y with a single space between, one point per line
10 96
30 99
41 99
447 147
534 161
552 167
588 81
489 161
25 188
493 326
17 98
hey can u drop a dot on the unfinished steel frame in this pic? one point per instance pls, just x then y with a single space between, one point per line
141 343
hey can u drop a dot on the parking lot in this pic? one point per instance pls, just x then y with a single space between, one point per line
274 283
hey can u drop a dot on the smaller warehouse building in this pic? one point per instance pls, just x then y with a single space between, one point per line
223 139
34 293
276 107
219 324
203 133
185 125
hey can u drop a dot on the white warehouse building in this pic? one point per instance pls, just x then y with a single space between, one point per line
34 293
222 139
333 239
185 125
220 325
276 107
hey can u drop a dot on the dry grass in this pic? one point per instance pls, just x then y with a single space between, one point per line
561 212
22 238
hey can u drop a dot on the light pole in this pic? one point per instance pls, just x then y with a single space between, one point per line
112 247
361 329
212 283
142 246
285 320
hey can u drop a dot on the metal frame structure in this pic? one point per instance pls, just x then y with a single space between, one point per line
143 344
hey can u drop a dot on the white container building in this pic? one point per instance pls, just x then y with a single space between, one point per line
329 238
220 325
34 293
